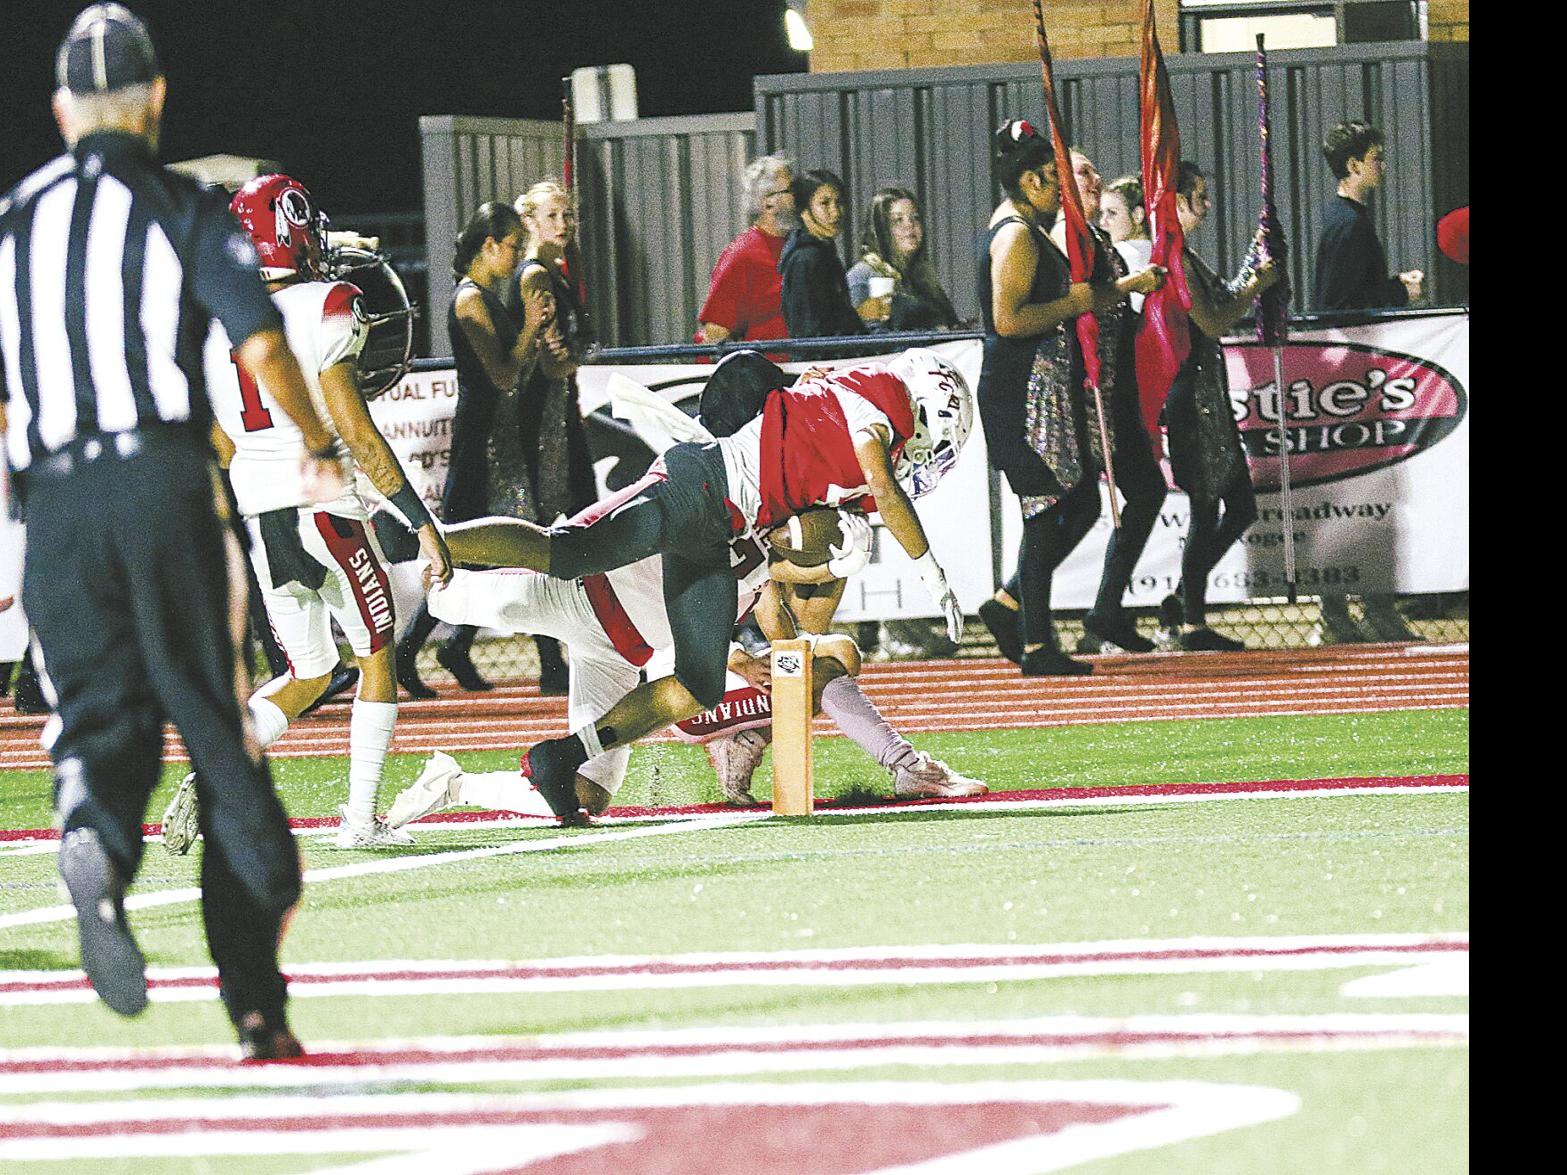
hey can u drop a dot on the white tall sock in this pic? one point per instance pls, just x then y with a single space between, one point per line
503 791
857 716
369 737
270 722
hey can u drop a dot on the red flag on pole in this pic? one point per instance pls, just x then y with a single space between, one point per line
1163 338
1080 243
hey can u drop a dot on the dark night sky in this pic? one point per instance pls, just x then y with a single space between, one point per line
334 88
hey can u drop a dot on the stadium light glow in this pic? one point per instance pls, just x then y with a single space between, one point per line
794 24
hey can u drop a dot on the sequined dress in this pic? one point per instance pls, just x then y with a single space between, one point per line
1031 399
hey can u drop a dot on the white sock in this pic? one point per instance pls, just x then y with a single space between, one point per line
502 791
369 737
270 722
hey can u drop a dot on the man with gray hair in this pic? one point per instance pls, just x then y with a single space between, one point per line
111 270
745 298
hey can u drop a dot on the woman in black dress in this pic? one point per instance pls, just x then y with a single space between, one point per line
491 346
1031 398
1206 457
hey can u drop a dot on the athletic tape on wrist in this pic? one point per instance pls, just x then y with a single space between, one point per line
411 506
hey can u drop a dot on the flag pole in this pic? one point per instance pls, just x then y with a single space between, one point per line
1080 253
1273 320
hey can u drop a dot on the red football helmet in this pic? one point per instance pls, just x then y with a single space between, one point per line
281 217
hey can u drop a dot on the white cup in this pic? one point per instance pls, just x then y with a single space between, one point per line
881 287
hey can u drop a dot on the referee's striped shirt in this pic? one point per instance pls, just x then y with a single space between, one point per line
111 271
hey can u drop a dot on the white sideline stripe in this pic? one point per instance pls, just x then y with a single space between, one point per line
1212 1036
751 1035
1446 975
405 864
1456 939
799 969
799 977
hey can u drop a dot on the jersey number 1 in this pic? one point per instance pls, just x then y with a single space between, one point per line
254 416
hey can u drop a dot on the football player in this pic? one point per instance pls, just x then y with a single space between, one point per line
315 564
838 437
615 625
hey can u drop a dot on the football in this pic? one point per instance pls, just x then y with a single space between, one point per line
803 540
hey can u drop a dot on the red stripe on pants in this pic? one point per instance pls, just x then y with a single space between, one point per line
372 591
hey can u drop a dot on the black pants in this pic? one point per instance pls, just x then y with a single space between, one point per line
685 519
1048 538
1141 481
127 587
1216 524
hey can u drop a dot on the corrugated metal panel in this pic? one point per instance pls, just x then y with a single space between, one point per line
466 162
659 199
1410 89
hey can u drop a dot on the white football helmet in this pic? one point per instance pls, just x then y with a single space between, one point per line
943 418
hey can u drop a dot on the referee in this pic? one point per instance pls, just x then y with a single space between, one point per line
111 272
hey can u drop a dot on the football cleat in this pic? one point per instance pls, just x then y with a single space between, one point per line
110 956
928 778
180 823
735 758
438 787
374 835
551 766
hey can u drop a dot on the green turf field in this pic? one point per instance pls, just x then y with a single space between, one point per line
1197 956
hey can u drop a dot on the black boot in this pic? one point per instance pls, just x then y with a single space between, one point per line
453 656
554 678
414 636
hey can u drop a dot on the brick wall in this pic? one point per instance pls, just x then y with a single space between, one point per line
1448 20
907 34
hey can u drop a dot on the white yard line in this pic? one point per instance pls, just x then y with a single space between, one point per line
409 864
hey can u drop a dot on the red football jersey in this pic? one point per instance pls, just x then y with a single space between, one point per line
807 447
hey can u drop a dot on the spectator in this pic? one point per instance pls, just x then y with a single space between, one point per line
492 345
744 297
1205 445
1351 266
1352 274
1030 390
1125 220
1138 478
893 249
554 442
815 289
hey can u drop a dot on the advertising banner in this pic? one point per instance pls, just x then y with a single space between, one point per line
1376 418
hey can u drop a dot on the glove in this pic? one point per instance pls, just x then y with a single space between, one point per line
940 591
855 553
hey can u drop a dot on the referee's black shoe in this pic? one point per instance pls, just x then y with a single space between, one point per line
110 956
261 1039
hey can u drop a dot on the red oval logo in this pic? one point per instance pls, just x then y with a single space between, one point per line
1349 408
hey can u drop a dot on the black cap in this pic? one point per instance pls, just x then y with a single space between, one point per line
107 49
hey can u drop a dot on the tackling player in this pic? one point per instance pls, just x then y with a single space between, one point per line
314 563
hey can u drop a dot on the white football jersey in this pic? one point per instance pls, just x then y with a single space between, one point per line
325 325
